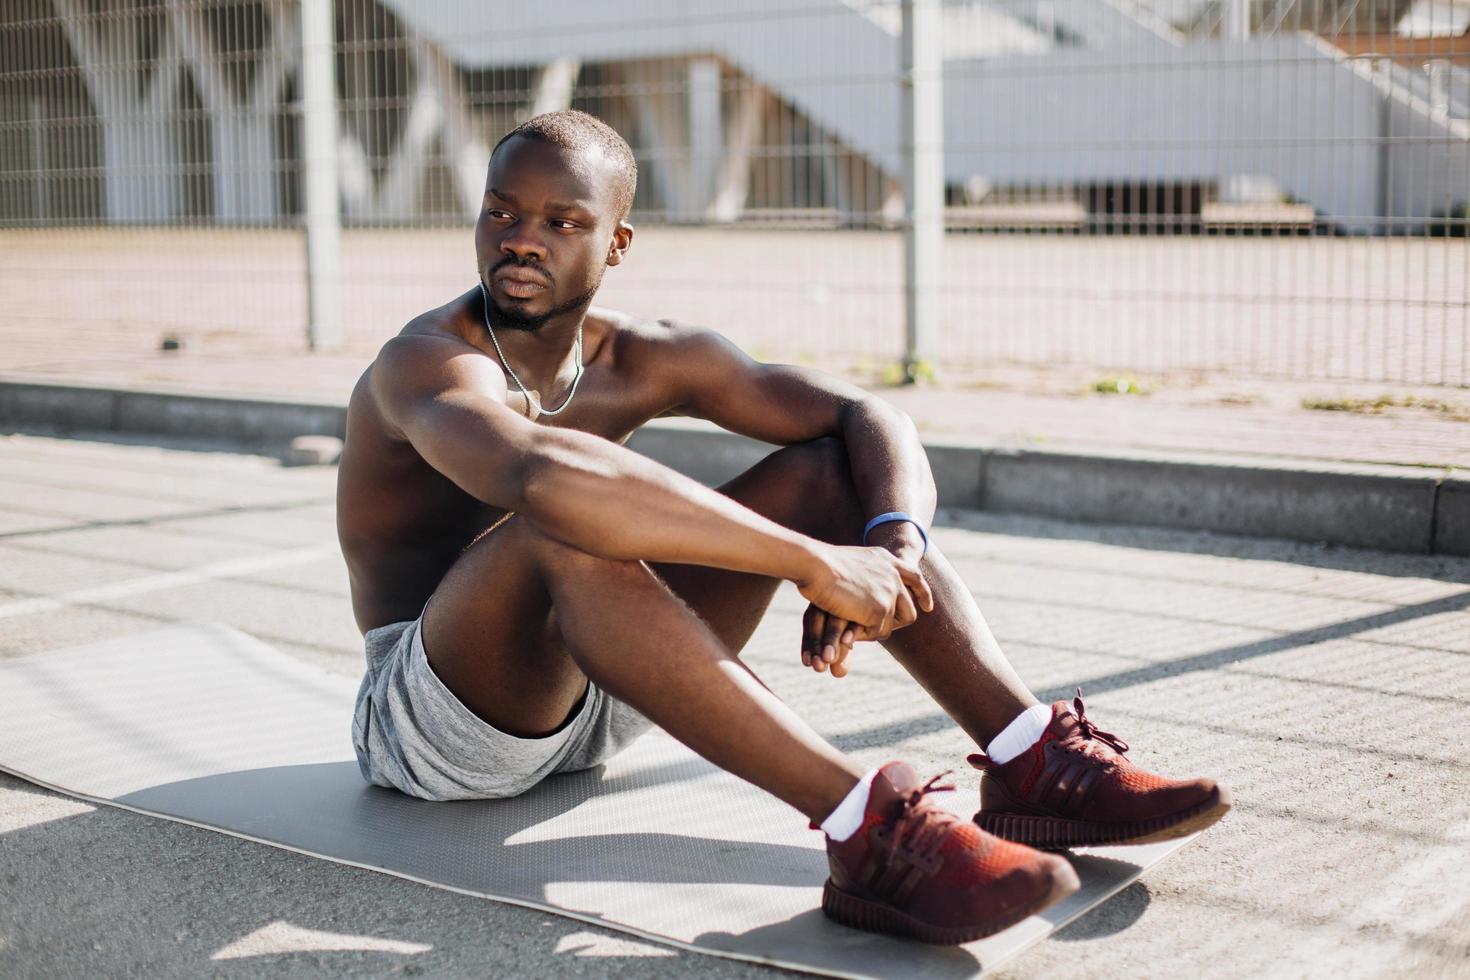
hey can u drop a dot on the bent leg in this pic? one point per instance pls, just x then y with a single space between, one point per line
951 652
793 486
522 621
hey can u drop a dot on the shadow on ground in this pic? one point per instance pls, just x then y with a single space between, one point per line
1110 918
1445 568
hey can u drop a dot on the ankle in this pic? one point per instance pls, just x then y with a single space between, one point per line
818 794
846 817
1023 732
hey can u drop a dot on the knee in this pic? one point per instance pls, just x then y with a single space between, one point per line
819 476
820 466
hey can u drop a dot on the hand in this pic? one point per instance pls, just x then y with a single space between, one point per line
826 641
858 594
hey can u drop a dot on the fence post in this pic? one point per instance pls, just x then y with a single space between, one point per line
1235 20
921 83
323 225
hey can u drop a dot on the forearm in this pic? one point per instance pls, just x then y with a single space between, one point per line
890 472
615 503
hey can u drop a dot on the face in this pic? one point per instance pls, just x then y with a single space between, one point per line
547 230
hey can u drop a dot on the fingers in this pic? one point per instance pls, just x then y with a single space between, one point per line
844 647
832 638
925 595
813 622
900 615
904 612
918 585
827 640
885 628
838 639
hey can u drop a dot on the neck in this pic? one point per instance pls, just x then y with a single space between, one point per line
541 356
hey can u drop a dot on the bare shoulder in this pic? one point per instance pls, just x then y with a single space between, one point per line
670 361
428 342
671 345
427 360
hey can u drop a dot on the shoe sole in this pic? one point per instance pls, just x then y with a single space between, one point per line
1059 834
873 916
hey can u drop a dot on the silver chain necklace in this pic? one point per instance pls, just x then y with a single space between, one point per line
485 310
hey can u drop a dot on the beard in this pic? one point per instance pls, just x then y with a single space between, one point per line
513 318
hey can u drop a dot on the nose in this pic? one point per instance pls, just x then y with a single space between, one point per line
521 241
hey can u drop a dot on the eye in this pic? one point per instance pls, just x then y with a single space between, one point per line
562 224
499 214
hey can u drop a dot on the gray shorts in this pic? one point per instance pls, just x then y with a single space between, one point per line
412 734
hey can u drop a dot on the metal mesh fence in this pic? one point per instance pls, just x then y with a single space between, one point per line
1268 188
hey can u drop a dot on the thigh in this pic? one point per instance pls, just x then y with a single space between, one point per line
490 630
807 487
490 635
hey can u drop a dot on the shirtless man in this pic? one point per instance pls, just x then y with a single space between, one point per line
533 595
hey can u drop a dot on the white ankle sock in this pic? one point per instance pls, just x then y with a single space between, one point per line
844 821
1019 735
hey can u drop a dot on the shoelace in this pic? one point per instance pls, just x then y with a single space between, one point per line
1091 731
923 836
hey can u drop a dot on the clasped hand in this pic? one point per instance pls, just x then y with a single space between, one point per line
861 594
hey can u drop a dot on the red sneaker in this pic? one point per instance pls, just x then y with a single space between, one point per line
1076 787
914 869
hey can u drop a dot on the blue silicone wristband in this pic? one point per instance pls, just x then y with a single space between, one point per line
897 515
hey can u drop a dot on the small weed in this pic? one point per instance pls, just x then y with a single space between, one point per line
1361 406
1118 386
922 371
1377 406
895 374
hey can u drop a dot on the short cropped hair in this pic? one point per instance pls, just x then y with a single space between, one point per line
573 129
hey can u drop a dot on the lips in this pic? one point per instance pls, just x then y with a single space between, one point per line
521 283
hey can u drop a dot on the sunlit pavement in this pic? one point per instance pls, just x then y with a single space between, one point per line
1329 688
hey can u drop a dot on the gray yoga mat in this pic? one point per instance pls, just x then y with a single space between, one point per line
208 726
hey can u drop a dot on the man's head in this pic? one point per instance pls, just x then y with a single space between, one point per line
554 217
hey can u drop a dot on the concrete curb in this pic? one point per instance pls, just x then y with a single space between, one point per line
97 408
1452 517
1392 508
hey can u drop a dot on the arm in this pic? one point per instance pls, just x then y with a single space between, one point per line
785 404
449 405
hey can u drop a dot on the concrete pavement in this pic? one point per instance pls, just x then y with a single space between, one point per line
1325 685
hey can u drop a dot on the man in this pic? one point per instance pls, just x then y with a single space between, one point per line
533 595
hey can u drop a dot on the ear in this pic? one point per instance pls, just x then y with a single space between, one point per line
621 241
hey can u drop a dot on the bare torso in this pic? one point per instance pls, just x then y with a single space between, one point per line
402 524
